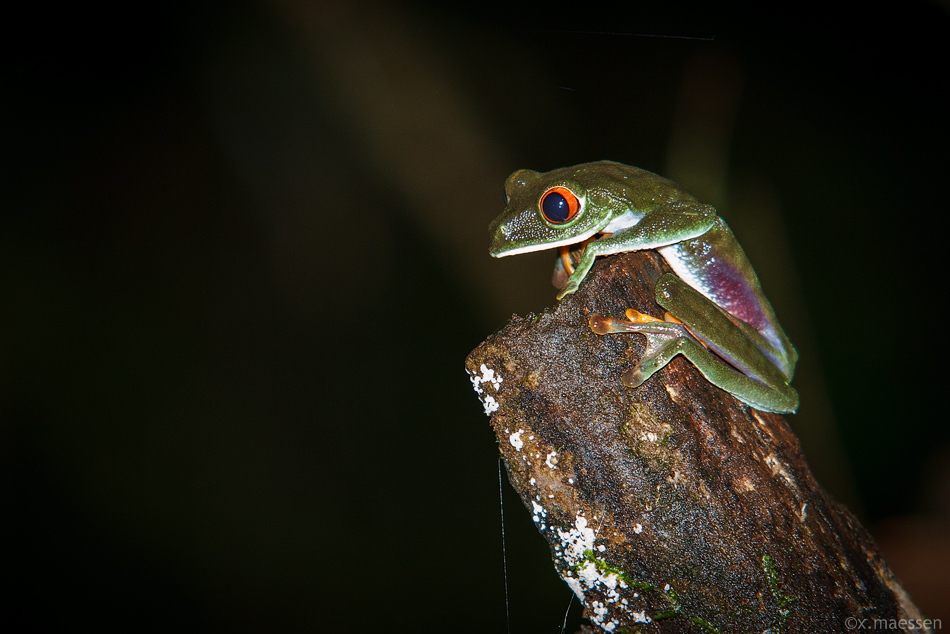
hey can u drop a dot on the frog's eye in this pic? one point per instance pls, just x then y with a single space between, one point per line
504 197
559 205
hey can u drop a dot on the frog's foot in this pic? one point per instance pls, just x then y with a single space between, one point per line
665 339
574 281
573 264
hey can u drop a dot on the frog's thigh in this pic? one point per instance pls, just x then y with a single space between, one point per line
768 390
710 324
697 311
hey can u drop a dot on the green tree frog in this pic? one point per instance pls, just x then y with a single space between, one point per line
716 308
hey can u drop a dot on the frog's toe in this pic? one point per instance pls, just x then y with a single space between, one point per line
601 325
568 289
634 377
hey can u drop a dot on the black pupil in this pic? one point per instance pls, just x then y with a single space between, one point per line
555 207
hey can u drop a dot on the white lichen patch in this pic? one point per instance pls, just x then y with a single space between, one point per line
551 460
488 377
641 617
540 515
576 541
638 528
583 573
600 615
539 511
575 585
651 436
515 440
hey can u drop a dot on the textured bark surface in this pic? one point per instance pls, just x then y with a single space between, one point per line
672 507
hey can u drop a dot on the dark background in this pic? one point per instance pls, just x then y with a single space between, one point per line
243 255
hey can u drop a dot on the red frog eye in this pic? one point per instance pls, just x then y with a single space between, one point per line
559 205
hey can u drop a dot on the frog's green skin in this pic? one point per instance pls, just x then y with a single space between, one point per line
715 292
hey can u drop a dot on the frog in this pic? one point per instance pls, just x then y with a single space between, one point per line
717 315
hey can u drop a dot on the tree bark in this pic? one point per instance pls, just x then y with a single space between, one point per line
672 507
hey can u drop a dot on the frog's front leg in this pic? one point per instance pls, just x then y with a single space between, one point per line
661 227
751 376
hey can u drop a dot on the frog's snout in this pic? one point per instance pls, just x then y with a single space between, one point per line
499 238
496 248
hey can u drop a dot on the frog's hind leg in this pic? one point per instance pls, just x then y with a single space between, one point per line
666 339
734 341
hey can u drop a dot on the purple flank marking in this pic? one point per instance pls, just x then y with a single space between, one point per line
735 295
738 298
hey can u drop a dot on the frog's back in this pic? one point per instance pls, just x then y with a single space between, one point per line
641 188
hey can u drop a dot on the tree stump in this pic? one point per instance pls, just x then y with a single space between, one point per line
672 507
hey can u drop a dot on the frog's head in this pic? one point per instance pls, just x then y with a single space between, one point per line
546 210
